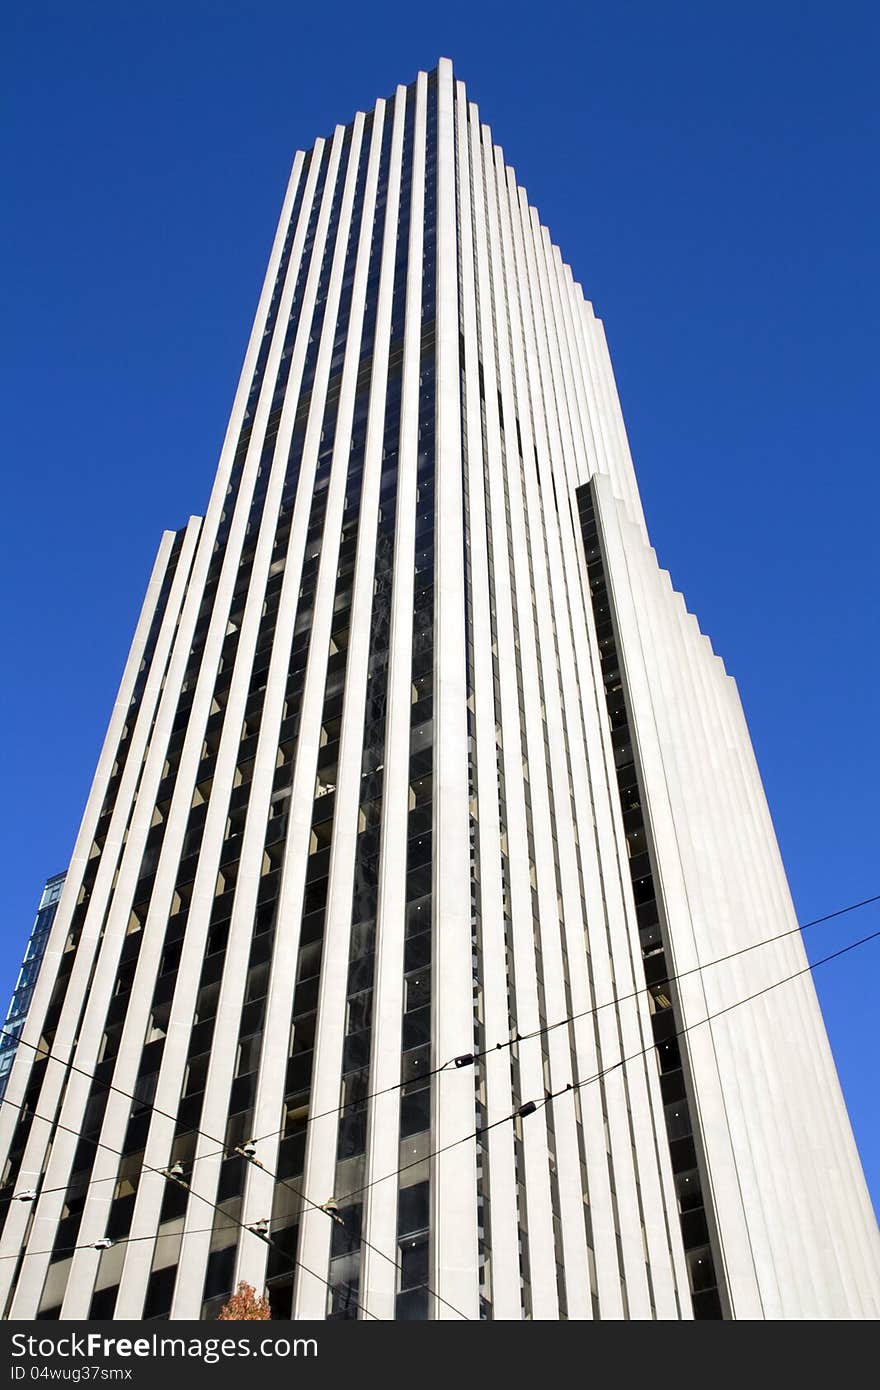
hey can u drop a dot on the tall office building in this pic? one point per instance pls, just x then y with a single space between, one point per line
420 784
27 976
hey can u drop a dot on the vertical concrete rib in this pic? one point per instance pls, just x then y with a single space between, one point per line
174 974
193 1255
258 1194
22 1224
454 1253
383 1145
150 1191
502 1279
32 1030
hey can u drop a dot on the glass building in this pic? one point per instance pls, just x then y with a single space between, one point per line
27 978
401 961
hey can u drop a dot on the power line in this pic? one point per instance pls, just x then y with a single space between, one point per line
316 1206
718 1013
672 979
114 1242
444 1066
469 1059
283 1182
529 1107
585 1013
168 1175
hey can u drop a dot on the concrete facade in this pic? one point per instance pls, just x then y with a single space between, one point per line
420 783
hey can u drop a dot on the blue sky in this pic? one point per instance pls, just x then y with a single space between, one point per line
709 171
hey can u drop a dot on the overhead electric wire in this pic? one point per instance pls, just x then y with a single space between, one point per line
584 1013
470 1059
170 1177
444 1066
672 979
118 1240
235 1151
718 1013
529 1107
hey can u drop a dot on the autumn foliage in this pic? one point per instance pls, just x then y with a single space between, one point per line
245 1306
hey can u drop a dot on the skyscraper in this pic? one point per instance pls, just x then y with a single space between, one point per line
27 976
420 785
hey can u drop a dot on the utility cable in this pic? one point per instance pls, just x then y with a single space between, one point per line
584 1013
471 1058
169 1176
316 1206
529 1107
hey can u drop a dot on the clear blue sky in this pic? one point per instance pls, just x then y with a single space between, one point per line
709 170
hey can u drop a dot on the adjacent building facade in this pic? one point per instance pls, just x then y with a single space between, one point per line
420 785
27 977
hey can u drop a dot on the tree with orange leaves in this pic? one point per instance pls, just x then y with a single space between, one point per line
245 1306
